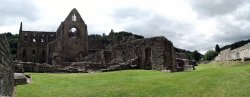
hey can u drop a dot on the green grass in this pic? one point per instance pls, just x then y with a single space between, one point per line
209 80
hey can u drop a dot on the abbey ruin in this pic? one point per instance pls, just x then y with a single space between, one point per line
70 49
69 42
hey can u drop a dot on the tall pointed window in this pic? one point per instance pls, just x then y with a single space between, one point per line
25 37
74 17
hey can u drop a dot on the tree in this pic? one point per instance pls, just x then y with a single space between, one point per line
189 55
217 48
103 35
210 55
197 55
13 42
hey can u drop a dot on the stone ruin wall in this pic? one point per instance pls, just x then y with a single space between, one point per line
241 53
6 68
155 53
32 46
183 63
96 44
69 49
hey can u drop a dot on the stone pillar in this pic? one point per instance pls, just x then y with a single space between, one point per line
6 68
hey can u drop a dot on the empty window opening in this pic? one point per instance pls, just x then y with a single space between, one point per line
74 17
34 40
148 54
42 40
33 52
43 54
25 37
73 29
72 32
24 53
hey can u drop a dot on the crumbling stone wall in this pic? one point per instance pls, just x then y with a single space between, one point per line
97 44
155 53
183 63
32 45
241 53
70 44
6 68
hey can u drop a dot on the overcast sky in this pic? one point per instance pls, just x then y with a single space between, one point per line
189 24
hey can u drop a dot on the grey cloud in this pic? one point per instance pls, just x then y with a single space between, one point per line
13 11
216 7
242 13
150 24
232 17
182 34
157 25
124 14
231 32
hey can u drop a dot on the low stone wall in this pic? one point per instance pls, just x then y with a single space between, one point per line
185 64
6 68
241 53
77 67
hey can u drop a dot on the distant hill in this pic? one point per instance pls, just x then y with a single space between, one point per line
235 45
195 55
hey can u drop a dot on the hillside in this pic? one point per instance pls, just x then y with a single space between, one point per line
237 51
236 44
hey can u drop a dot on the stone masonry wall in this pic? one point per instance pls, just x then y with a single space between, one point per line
32 45
6 68
155 53
241 53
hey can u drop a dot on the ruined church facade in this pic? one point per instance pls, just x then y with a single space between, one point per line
68 43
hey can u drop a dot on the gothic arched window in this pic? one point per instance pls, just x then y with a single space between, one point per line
74 17
25 37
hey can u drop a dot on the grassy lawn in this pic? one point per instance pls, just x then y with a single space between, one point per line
210 80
